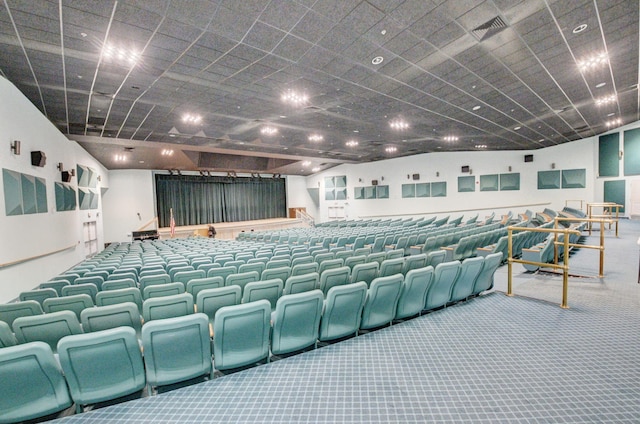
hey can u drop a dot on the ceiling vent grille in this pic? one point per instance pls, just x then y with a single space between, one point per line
489 28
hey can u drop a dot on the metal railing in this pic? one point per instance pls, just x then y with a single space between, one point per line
566 202
607 213
300 214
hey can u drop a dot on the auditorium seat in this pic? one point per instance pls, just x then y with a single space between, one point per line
390 267
301 283
176 350
160 290
241 335
122 283
377 257
342 311
112 297
48 328
10 311
436 257
223 272
209 301
195 285
334 277
167 306
329 264
39 295
354 260
7 338
38 390
75 304
102 366
364 272
241 280
414 292
96 279
444 277
255 266
86 288
57 285
270 290
469 271
484 281
305 268
296 322
414 262
281 273
111 316
382 301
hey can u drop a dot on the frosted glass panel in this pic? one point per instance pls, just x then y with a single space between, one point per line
466 184
574 178
41 195
382 192
423 190
358 192
28 194
548 180
439 189
510 181
408 190
489 182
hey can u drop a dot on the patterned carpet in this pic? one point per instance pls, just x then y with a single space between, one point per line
492 359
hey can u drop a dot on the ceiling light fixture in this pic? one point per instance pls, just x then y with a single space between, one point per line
377 60
269 130
306 163
399 124
450 138
481 146
351 143
391 149
593 61
120 158
517 128
477 107
602 84
606 100
294 97
580 28
120 54
191 119
316 169
614 122
315 137
167 152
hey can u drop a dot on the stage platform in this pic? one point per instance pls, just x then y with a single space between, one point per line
229 230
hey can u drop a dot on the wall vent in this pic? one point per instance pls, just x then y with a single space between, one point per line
489 28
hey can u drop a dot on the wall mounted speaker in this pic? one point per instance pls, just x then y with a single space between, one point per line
416 176
374 182
38 158
465 169
528 158
66 176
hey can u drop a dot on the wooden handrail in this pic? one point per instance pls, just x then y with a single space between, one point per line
19 261
456 211
151 221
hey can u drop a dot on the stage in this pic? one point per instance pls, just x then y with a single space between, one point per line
229 230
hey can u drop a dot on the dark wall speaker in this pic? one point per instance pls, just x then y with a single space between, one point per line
528 158
416 176
464 169
374 182
38 158
66 176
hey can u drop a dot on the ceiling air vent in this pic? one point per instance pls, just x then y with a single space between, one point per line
489 28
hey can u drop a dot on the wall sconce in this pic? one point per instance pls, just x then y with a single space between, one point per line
359 180
15 147
381 178
99 177
553 166
509 168
437 174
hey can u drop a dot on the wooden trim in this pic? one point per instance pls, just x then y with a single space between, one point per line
455 211
19 261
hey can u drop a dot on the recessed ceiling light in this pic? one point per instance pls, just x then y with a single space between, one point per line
120 54
517 128
316 169
614 122
611 114
356 131
351 143
391 149
383 32
83 34
120 158
295 98
172 135
79 76
476 107
268 130
167 152
450 138
306 163
140 161
315 137
399 124
282 116
602 84
541 140
580 28
481 146
191 119
593 61
377 60
606 100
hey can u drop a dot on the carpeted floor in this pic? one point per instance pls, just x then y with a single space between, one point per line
492 359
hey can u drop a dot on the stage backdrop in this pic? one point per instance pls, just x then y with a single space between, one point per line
201 200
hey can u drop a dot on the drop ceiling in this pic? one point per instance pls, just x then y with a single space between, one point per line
121 77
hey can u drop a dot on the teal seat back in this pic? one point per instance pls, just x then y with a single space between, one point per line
270 290
382 301
444 277
305 268
223 272
395 254
150 280
48 328
7 338
185 276
414 292
10 311
195 285
276 262
103 365
96 279
241 334
122 275
281 273
178 269
89 289
296 321
254 266
342 311
111 316
377 257
119 283
76 304
302 259
111 297
209 301
436 257
31 383
301 283
57 285
167 306
414 262
355 260
241 280
334 277
330 264
176 349
365 272
484 281
38 295
391 267
469 271
160 290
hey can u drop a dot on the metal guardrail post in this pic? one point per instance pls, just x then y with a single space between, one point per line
509 262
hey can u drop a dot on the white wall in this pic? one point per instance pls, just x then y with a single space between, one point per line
26 236
395 172
298 196
130 193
